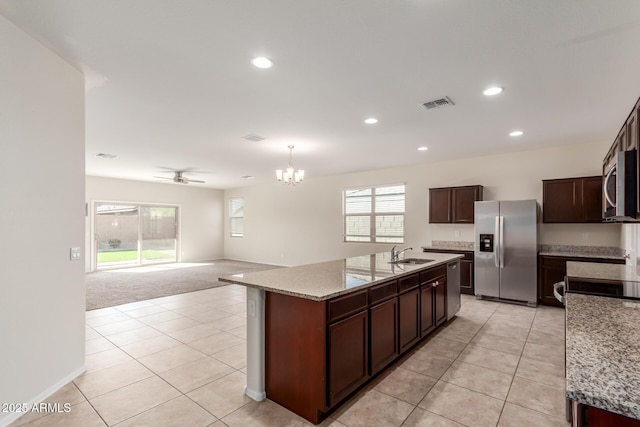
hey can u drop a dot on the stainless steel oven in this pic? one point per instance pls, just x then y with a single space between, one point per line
619 187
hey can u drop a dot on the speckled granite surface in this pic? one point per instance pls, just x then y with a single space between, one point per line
594 270
605 252
329 279
603 353
450 245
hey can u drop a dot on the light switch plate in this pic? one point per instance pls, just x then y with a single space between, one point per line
74 253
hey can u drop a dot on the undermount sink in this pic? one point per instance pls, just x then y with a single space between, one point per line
411 261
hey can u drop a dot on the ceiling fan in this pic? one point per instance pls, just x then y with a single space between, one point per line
179 178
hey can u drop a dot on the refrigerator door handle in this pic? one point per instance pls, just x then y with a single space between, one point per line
501 241
495 249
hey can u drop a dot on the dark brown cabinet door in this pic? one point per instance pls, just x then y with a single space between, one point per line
440 301
427 316
463 202
560 200
409 318
348 355
383 334
552 270
466 277
440 205
592 199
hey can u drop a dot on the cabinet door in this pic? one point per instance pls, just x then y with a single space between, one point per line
552 270
466 277
440 205
348 355
592 199
408 318
383 334
463 201
561 200
427 317
440 301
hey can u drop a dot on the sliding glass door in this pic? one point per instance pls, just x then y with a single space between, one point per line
130 235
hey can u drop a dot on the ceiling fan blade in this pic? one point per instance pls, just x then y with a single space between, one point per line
162 177
195 180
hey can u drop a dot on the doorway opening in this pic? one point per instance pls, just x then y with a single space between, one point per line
129 235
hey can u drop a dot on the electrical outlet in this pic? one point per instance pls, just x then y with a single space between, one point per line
251 308
74 253
457 233
585 236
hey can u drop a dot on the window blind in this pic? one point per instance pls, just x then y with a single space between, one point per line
236 217
374 214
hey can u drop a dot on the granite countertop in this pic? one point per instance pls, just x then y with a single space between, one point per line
450 245
603 353
594 270
603 252
326 280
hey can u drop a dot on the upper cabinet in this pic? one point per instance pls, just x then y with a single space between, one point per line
572 200
453 204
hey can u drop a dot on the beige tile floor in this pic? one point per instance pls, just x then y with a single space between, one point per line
181 360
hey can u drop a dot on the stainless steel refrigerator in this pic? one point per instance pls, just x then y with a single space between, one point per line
506 246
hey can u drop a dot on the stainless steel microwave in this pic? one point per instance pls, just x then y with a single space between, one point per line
619 187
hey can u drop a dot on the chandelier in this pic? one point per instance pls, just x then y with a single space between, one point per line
290 176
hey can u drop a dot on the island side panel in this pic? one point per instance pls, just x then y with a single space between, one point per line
295 354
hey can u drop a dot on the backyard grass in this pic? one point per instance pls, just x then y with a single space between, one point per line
132 255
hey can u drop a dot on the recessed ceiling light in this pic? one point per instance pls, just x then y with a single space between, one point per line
262 62
107 155
247 176
492 91
371 120
423 148
516 133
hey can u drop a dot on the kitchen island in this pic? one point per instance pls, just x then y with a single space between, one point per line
316 333
602 344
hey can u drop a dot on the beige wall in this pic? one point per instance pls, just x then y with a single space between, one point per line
200 212
42 294
291 226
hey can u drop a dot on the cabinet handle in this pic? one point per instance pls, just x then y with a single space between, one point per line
435 284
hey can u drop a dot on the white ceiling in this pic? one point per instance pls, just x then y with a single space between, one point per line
169 84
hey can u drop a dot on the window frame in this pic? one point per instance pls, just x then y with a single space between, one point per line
372 214
231 217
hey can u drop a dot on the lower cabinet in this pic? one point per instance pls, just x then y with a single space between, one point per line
466 268
317 353
553 269
383 336
589 416
348 355
409 322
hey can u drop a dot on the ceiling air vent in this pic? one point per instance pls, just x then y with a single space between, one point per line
254 138
107 155
438 103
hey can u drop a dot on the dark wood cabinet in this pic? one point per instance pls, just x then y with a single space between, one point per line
466 268
383 336
572 200
348 355
440 205
590 416
553 269
409 319
318 353
427 315
440 301
453 204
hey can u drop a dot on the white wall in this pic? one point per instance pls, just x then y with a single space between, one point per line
42 295
201 211
291 226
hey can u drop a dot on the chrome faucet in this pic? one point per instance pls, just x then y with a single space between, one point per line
395 253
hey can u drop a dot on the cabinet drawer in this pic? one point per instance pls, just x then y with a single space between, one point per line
341 307
408 282
382 291
429 275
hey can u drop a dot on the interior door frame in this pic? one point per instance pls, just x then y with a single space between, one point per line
93 223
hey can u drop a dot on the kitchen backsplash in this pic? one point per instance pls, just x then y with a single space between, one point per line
610 251
451 244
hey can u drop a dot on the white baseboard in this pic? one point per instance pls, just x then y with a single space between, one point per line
44 395
258 397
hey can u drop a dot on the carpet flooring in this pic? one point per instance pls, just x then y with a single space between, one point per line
114 287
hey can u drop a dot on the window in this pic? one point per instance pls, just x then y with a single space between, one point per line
236 217
374 214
